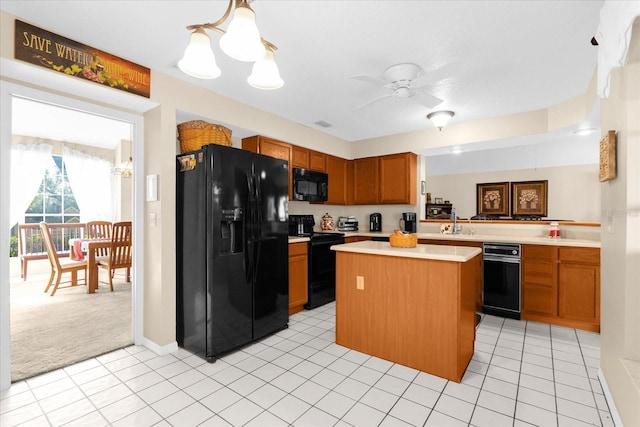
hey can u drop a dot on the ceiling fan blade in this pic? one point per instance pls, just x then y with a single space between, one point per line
373 101
370 79
433 76
426 99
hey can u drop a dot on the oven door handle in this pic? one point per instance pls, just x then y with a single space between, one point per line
500 259
326 243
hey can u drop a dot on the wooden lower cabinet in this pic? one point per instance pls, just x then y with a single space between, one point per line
297 276
479 260
561 286
352 239
579 276
539 268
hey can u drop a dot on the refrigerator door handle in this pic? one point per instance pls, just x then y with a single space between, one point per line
257 225
248 225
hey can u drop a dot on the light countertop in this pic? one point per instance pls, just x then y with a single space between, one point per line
295 239
436 252
533 240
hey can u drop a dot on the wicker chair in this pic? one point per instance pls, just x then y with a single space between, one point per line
119 251
99 230
59 266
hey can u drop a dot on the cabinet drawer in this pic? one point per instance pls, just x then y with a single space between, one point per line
581 255
538 272
539 252
539 299
297 249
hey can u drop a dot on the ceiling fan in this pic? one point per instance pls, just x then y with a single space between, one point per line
404 81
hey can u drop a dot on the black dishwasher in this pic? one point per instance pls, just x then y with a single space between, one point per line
501 279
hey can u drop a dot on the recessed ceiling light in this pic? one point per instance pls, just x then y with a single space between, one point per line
585 131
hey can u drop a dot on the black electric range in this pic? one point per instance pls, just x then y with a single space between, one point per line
321 260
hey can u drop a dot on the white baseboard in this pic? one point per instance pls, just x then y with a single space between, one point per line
160 350
609 397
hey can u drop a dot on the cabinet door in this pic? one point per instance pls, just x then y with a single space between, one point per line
299 157
580 292
297 276
337 171
279 150
317 161
398 178
365 176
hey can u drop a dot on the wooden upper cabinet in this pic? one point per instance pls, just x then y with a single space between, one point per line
398 175
317 161
270 147
299 157
365 181
337 171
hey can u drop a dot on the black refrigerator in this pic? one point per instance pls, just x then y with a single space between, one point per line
232 281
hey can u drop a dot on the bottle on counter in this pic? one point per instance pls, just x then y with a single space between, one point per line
554 229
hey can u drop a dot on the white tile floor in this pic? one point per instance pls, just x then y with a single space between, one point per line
522 373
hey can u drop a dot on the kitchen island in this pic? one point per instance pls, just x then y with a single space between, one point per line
412 306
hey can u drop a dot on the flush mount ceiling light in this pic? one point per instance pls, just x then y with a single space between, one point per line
440 118
240 41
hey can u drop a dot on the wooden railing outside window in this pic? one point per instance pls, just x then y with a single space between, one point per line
31 246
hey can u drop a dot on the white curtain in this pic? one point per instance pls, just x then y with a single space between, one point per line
90 180
28 165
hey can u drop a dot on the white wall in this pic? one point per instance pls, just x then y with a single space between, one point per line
574 191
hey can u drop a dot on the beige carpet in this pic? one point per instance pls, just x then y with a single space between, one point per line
48 332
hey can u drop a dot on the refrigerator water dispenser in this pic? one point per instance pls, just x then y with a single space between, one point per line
231 230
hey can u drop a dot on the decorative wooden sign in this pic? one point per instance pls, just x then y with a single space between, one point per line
608 156
43 48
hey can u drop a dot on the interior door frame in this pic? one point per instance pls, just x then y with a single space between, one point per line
8 91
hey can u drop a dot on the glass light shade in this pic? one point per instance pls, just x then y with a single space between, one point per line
198 60
440 118
125 169
242 38
265 74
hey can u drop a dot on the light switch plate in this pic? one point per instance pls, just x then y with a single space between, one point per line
152 188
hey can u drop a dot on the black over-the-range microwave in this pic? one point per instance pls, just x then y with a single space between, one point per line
310 186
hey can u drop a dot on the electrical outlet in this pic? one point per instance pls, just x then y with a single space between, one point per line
360 283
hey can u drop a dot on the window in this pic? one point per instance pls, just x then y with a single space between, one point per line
54 202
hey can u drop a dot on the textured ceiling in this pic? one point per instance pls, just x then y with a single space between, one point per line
483 58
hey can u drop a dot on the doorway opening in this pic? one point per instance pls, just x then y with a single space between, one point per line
48 332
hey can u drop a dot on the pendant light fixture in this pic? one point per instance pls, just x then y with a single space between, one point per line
440 118
241 41
125 169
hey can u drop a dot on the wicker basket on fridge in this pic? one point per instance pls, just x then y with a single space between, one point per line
196 133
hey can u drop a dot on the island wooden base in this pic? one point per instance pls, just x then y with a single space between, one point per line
416 312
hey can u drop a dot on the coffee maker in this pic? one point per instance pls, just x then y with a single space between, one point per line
408 222
375 222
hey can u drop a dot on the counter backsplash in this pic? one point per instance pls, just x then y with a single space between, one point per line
391 216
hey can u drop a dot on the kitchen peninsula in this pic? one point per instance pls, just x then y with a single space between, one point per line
412 306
